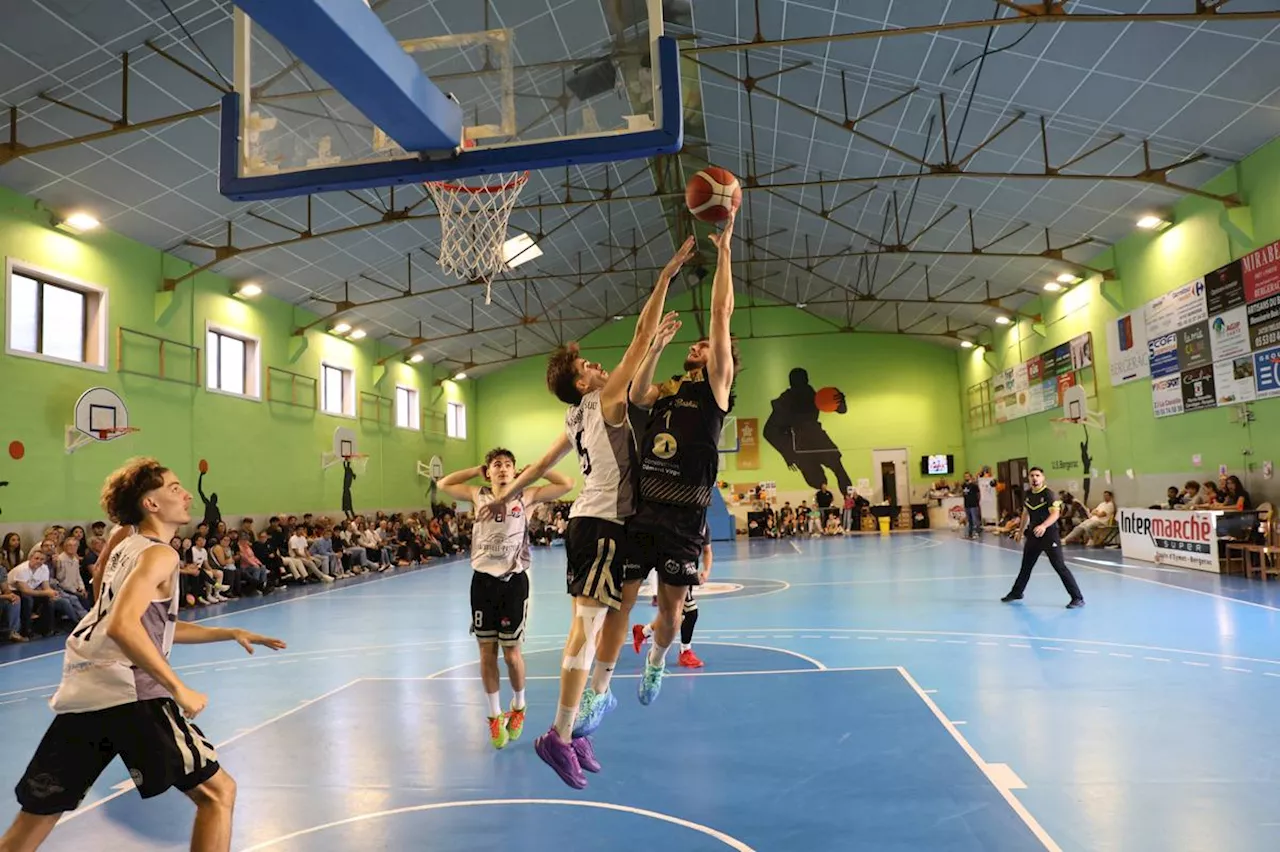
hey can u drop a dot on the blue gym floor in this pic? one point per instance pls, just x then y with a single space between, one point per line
859 694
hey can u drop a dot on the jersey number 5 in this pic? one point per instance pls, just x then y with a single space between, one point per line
584 458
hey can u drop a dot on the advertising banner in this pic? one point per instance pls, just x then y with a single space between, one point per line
1164 354
1193 346
1266 372
1198 389
1172 537
1229 334
1261 273
1233 380
1224 288
1166 395
1127 355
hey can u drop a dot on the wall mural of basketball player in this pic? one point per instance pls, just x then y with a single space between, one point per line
212 514
794 431
3 484
348 477
1087 461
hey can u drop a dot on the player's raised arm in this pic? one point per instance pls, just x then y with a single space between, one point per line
531 474
457 486
720 359
613 396
643 391
557 486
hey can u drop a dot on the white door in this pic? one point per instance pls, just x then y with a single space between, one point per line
891 466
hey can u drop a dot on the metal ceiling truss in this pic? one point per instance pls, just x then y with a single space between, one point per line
668 180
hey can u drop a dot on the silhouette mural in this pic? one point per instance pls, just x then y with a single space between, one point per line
793 429
348 477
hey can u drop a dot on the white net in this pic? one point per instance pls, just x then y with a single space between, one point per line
473 225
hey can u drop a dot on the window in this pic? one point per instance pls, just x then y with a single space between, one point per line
55 319
407 414
456 423
336 394
232 360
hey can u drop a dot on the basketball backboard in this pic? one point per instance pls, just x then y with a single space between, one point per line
100 415
570 86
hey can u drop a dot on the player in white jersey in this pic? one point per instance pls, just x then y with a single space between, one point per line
596 426
500 559
118 695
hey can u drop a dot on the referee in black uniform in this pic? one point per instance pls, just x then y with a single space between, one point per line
1040 522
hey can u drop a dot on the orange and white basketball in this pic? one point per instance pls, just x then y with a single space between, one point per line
712 194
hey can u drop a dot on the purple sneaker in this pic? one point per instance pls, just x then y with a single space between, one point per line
562 757
586 754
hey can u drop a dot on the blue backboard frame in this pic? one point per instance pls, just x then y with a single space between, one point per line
667 138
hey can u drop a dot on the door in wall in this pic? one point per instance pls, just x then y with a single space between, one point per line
894 484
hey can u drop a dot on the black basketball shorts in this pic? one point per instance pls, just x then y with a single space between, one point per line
160 747
499 607
667 539
595 550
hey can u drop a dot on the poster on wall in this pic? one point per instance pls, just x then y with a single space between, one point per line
1264 322
1127 348
748 455
1229 334
1224 288
1035 371
1233 380
1081 348
1164 354
1261 273
1064 382
1058 361
1166 395
1176 309
1193 346
1266 372
1198 389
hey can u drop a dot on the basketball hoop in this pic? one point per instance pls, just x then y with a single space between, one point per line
359 462
473 225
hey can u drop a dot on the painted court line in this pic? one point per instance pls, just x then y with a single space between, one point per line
730 842
122 788
997 778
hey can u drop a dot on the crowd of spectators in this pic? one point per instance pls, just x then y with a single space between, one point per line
46 588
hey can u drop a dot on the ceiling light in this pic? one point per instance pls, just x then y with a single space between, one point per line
802 305
967 344
1069 278
1003 320
358 334
457 377
1053 287
76 223
416 358
248 290
341 328
1152 222
519 249
617 318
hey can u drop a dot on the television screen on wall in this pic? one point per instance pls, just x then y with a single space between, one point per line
937 465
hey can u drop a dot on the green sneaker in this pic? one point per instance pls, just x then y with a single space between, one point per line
515 724
498 731
650 682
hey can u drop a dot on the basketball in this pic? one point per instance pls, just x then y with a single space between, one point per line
204 466
827 399
712 194
16 450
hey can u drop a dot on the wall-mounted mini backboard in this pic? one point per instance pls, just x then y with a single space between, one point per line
100 415
346 448
340 94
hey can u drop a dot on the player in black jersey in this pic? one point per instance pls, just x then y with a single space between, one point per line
1040 520
679 461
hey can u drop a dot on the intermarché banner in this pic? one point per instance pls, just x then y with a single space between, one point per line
1170 537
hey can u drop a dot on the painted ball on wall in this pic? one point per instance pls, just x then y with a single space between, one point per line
828 399
204 466
16 450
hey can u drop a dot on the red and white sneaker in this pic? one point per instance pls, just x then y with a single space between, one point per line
637 637
689 660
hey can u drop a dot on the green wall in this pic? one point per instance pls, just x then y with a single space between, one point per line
1158 451
264 456
901 392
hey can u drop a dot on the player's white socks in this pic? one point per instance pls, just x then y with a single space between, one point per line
648 631
517 699
495 705
564 722
601 675
684 647
658 654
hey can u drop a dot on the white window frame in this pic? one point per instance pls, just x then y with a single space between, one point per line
252 362
348 402
96 306
456 420
411 408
